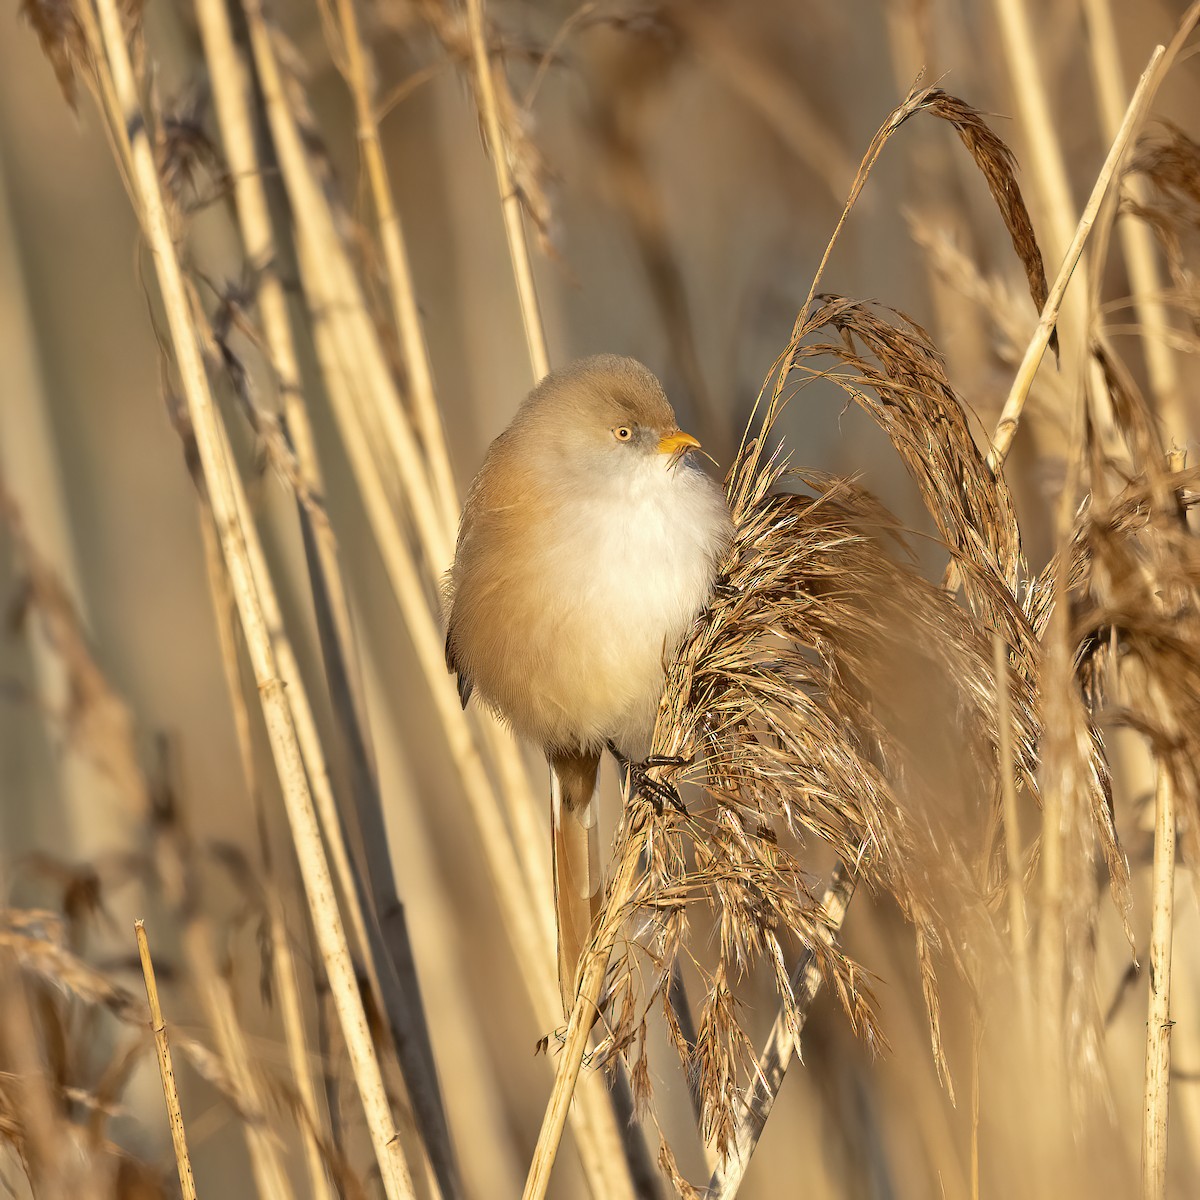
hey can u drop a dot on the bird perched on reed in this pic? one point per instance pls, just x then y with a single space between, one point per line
589 542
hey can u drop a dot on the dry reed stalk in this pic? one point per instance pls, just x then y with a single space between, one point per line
1157 1091
1158 1018
339 310
1136 239
1050 178
780 1046
218 1002
1018 922
404 1016
166 1072
510 198
223 489
399 273
1014 405
300 1061
1135 115
389 967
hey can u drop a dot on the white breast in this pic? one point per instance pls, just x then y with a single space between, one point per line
640 555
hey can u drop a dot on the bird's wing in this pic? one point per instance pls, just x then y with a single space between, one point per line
576 853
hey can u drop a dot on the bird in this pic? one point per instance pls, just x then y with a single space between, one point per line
589 542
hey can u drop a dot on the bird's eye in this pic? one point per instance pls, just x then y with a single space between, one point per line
622 433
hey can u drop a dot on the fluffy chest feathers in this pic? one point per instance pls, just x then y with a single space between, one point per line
581 597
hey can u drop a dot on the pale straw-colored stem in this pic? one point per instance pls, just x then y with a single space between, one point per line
1135 114
399 273
230 87
1157 1093
1018 393
204 965
780 1046
300 1060
582 1018
1158 1018
166 1072
262 1144
223 488
1052 185
336 301
510 200
1137 241
1018 921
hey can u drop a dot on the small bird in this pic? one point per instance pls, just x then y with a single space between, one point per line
588 544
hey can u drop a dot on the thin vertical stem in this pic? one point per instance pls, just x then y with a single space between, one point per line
1051 181
510 200
399 272
287 987
166 1071
1158 1020
1014 404
976 1055
1135 114
582 1017
1018 923
1157 1094
1137 241
269 1177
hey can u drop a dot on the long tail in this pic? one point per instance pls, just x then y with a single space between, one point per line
576 851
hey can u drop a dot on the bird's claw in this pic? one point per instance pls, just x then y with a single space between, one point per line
656 791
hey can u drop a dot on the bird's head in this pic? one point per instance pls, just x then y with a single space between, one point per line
607 413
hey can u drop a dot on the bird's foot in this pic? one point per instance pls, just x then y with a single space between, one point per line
658 792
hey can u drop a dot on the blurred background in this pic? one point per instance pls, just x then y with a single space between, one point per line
692 159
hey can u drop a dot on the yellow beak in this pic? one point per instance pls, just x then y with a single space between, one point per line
677 443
